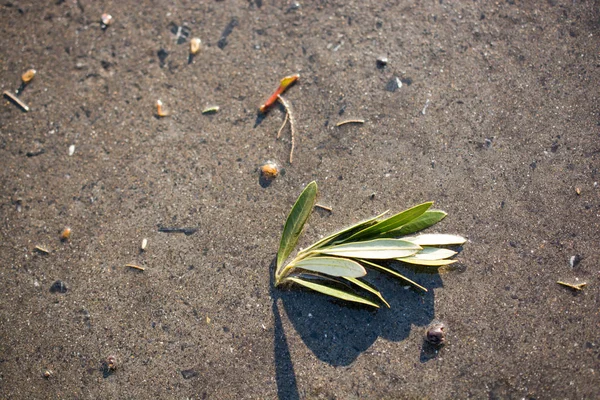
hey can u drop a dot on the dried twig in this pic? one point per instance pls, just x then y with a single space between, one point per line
16 100
288 110
42 249
324 207
351 121
135 267
578 286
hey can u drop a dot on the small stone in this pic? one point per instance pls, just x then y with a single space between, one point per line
144 244
71 149
106 20
270 170
28 75
195 46
575 260
47 374
382 62
188 373
578 191
436 333
58 287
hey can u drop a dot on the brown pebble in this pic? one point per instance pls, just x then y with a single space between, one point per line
65 235
436 333
578 191
28 75
269 170
111 363
47 374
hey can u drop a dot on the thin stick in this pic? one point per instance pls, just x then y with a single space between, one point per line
578 286
351 121
16 100
283 125
42 249
324 207
135 267
288 110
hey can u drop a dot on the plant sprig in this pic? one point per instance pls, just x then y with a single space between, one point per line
334 264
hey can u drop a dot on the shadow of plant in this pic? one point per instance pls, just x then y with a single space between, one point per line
337 332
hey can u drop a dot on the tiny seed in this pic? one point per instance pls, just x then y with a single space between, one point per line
28 75
578 191
195 46
66 234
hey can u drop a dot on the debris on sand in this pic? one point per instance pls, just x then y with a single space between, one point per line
436 333
351 121
577 286
16 100
160 111
59 287
211 110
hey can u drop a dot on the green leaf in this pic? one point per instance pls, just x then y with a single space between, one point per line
368 288
427 263
331 266
340 294
427 219
381 249
434 253
435 239
295 222
391 223
393 273
339 236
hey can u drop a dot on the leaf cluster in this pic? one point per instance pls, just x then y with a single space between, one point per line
335 264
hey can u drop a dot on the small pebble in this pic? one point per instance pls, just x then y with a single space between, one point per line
575 260
436 333
270 170
28 75
578 191
111 363
47 374
144 244
106 20
58 287
188 373
195 46
71 150
65 234
382 62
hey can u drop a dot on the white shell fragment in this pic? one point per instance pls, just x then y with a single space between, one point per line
71 149
144 244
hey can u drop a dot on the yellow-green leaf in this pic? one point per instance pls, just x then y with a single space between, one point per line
435 239
340 294
391 223
381 249
331 266
368 288
392 272
295 222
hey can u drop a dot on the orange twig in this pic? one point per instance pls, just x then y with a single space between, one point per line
283 85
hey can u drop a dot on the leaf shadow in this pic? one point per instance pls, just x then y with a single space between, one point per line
338 332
